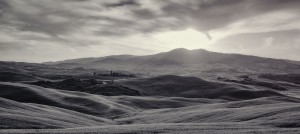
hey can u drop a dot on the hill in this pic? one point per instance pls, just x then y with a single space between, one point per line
167 104
183 61
192 87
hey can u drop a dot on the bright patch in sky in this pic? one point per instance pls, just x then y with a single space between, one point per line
189 38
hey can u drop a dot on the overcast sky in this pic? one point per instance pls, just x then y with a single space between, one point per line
51 30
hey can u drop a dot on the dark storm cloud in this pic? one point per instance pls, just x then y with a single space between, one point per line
144 13
122 3
37 18
125 28
76 23
207 15
203 15
3 4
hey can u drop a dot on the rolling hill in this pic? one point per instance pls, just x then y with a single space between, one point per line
192 87
181 61
167 104
188 91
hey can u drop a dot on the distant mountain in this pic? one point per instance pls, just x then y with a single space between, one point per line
88 60
182 61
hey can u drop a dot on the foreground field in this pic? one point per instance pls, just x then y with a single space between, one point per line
167 128
185 105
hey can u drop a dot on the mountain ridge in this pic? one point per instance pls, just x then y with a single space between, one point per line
181 60
171 51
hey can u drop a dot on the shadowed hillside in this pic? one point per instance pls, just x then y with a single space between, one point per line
192 87
76 101
89 86
16 115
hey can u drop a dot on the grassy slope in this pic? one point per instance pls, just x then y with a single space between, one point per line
30 107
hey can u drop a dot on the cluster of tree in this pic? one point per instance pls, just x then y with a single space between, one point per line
115 74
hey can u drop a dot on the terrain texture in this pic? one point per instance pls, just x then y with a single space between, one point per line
181 91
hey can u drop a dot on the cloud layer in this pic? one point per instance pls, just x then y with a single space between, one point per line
42 30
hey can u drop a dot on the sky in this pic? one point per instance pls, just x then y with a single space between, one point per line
53 30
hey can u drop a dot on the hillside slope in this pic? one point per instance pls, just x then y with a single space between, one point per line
167 104
192 87
181 60
16 115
